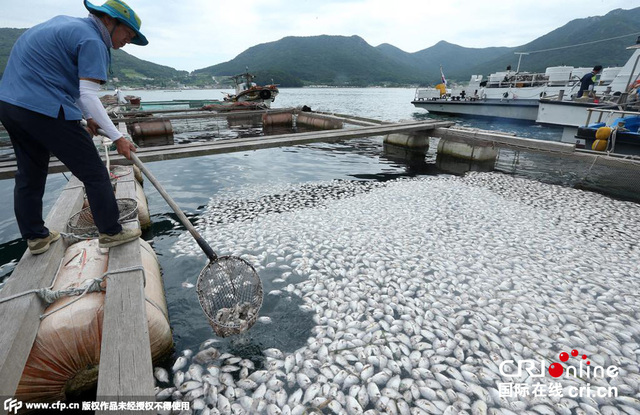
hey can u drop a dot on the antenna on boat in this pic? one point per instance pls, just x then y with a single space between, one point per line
520 58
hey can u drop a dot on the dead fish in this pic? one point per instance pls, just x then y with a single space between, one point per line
206 356
165 393
179 363
161 374
190 385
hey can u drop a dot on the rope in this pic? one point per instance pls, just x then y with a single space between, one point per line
35 290
90 285
584 178
585 43
50 296
614 134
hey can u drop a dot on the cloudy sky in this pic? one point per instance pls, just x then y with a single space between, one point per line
193 34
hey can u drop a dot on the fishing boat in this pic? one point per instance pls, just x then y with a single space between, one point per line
615 135
583 117
620 93
249 91
510 94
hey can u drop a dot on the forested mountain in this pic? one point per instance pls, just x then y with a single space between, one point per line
332 60
351 61
127 68
340 60
577 32
7 38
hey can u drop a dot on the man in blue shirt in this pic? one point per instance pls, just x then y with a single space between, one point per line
588 80
52 79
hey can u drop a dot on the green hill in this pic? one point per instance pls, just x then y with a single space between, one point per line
132 71
456 60
332 60
8 37
129 70
613 52
339 60
351 61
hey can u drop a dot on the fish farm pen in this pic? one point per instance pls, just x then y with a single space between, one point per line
486 280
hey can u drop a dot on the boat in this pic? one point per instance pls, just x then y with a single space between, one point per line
619 135
249 91
621 93
118 98
510 94
582 117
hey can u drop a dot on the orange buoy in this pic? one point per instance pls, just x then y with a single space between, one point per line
602 139
65 356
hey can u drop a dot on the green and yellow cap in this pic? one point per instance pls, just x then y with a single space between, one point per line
118 9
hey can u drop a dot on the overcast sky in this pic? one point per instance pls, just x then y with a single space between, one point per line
193 34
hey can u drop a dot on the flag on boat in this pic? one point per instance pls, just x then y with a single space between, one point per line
444 80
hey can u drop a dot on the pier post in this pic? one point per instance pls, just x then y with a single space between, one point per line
318 121
417 141
463 150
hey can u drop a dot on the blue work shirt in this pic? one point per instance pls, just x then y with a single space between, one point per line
47 62
585 82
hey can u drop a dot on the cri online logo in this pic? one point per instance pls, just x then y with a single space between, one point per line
12 405
557 369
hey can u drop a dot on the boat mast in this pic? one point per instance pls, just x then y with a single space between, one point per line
520 58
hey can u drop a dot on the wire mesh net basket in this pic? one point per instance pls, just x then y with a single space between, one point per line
81 225
230 294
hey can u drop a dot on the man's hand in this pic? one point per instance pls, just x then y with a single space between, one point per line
125 147
92 127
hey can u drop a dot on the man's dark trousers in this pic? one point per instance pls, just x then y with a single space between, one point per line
34 136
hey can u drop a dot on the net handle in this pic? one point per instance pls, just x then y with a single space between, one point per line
181 216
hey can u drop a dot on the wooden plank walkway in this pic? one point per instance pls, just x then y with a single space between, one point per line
21 317
126 371
509 140
7 168
195 114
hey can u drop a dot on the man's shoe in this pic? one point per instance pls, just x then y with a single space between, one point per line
39 246
126 235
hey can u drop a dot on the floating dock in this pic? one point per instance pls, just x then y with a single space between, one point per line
125 361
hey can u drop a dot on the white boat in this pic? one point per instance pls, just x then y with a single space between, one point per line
510 94
618 100
573 112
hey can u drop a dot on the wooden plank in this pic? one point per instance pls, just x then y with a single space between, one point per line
203 114
126 372
7 169
352 119
257 143
20 317
370 130
503 139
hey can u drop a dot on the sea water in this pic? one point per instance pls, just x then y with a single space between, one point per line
346 214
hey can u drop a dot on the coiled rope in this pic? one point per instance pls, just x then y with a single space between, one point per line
88 286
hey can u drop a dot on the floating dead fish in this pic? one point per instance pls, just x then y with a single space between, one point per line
418 313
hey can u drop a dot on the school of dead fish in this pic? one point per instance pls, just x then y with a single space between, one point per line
420 289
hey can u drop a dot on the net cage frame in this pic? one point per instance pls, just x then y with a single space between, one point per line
222 286
81 223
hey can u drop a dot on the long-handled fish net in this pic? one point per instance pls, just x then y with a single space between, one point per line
229 288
